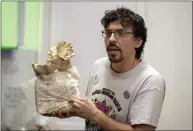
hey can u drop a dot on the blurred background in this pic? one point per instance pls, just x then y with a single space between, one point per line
29 29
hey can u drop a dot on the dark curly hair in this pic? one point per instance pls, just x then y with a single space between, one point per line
128 18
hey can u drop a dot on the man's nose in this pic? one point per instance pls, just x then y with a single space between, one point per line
112 37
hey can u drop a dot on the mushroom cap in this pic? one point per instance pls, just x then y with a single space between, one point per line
63 50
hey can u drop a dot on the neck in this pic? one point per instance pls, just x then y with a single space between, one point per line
126 65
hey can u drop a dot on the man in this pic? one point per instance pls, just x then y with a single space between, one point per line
124 92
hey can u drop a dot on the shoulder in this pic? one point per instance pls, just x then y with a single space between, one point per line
101 62
154 80
98 66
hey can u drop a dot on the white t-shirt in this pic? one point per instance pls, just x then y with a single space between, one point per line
133 97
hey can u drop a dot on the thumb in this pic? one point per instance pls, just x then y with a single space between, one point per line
60 114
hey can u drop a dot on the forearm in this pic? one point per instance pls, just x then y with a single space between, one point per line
108 123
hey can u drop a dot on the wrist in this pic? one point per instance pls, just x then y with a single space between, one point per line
96 115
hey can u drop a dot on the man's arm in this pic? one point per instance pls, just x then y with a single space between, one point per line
108 123
87 110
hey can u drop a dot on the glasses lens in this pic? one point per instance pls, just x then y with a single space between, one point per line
103 33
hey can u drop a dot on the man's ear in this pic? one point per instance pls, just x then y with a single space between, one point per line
138 42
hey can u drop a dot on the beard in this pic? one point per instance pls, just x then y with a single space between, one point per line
114 53
113 58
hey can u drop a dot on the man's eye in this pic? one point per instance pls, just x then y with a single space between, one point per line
108 33
120 33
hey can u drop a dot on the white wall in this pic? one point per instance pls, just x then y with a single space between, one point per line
168 49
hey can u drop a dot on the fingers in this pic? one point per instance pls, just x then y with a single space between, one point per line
75 100
72 113
80 101
48 115
76 110
51 115
60 114
76 106
70 100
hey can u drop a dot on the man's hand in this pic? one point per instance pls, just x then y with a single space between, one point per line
84 108
62 115
66 115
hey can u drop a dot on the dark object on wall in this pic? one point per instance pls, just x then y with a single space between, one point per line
7 54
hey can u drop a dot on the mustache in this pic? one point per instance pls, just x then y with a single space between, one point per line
113 45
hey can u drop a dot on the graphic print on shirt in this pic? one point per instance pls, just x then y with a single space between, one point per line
109 110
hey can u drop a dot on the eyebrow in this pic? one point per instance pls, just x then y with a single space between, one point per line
115 30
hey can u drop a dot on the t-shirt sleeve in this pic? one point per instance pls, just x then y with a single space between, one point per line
147 105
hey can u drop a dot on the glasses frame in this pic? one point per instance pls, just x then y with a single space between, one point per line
124 33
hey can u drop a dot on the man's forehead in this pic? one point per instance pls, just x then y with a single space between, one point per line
116 25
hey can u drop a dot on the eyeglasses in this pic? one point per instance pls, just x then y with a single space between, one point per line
118 34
